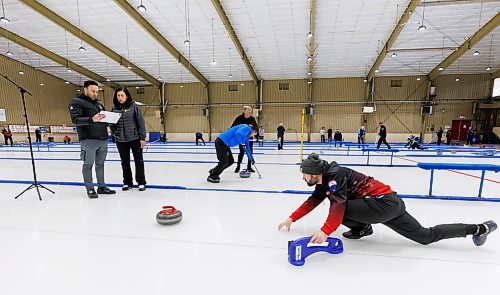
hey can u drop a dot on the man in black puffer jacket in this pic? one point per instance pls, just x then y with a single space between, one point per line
93 136
247 119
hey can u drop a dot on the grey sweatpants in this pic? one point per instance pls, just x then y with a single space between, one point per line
93 151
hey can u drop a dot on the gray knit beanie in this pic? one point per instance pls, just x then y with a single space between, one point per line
313 165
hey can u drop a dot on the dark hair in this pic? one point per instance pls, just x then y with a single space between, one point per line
89 82
127 102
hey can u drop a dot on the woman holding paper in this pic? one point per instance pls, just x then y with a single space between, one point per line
130 134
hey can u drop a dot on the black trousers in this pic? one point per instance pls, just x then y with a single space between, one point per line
339 141
7 138
242 154
448 140
390 210
124 150
382 140
38 138
280 142
439 140
225 157
322 138
361 139
469 140
198 139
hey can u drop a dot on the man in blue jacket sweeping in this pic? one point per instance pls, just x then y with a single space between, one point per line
234 136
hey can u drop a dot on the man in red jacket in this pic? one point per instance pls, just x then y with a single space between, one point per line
358 201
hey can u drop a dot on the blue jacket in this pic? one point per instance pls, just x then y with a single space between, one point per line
237 135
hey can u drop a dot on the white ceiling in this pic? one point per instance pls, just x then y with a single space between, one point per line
348 35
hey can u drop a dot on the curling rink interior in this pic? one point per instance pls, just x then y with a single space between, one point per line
228 242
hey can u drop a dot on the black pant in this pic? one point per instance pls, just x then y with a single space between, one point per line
38 138
280 142
199 138
439 140
448 140
390 210
469 140
242 154
261 140
361 139
338 141
124 150
322 138
382 140
7 138
225 157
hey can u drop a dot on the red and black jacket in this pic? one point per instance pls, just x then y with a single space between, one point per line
339 185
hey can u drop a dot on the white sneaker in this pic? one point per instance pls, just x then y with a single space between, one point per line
142 187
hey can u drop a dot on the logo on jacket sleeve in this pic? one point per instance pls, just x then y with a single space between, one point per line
332 184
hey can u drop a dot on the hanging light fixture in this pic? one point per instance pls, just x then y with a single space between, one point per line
9 53
128 49
3 19
418 78
66 82
488 68
186 16
108 80
422 27
394 54
69 70
42 84
476 52
81 48
141 7
230 73
377 70
309 35
457 79
441 68
365 80
159 67
213 45
21 72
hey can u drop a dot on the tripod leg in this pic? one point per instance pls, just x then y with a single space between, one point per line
42 186
38 191
27 189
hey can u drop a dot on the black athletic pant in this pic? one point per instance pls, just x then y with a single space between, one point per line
361 139
382 140
124 150
322 138
38 138
439 140
469 140
390 210
198 139
280 142
242 154
225 157
339 141
7 138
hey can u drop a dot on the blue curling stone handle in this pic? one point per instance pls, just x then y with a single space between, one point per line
298 250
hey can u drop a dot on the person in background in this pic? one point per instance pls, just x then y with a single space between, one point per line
330 135
281 136
440 135
237 135
414 143
199 136
337 137
361 135
163 137
260 136
247 119
382 133
470 136
7 135
448 136
66 139
38 135
93 135
322 134
130 135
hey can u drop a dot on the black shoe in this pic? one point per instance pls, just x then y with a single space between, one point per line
105 191
358 234
479 240
126 187
142 187
237 169
213 179
92 194
249 169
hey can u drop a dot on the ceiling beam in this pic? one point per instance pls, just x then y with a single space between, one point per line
466 46
453 2
230 30
137 17
393 37
41 9
495 74
54 57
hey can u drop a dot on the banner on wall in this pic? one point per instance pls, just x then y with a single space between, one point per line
3 117
62 129
23 129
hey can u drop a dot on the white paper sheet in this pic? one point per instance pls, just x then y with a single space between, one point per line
111 117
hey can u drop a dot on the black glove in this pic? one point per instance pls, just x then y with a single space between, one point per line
252 162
